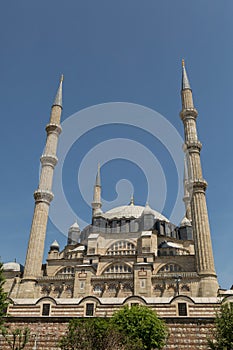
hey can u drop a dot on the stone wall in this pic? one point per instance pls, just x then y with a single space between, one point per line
185 333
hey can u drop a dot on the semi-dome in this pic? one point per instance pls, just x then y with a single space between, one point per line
12 266
131 211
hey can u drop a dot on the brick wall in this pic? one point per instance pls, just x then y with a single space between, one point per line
185 333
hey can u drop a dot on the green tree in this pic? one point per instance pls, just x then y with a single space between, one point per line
3 297
16 338
135 328
95 334
223 333
85 334
142 326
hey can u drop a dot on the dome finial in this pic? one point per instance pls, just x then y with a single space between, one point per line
132 200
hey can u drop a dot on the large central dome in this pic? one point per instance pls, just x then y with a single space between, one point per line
132 211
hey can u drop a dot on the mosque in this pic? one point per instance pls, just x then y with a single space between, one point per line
128 255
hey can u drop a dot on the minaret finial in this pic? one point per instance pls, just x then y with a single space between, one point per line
185 81
58 97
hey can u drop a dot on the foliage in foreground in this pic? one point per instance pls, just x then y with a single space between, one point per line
223 334
88 334
141 324
3 297
135 328
16 338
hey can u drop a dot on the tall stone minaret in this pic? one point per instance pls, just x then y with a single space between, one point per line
43 195
96 204
208 285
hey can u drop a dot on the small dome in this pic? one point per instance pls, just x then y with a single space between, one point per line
54 246
12 266
74 227
185 222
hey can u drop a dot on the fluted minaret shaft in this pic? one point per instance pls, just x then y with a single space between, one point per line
96 204
186 197
43 195
197 188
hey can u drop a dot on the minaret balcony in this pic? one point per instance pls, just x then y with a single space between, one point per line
193 145
53 128
188 113
198 185
96 205
47 159
43 196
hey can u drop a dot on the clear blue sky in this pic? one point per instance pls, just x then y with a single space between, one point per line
125 50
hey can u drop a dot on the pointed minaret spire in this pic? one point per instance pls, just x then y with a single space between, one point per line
96 204
186 92
185 81
58 97
98 179
208 285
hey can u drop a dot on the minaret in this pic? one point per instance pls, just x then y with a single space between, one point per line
200 222
96 204
43 195
186 197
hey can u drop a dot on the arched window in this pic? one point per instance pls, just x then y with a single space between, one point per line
66 271
121 248
118 268
170 268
